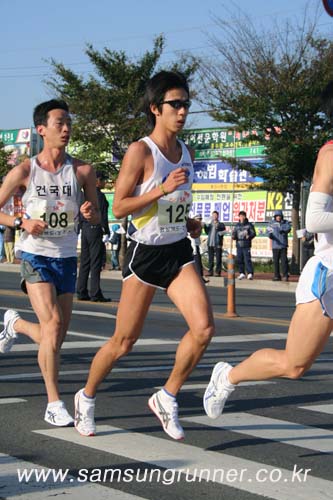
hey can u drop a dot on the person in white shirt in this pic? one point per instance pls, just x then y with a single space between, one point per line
312 321
52 182
154 186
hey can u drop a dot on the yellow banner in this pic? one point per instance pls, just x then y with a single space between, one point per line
224 186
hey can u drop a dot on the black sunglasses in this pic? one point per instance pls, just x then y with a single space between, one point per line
178 103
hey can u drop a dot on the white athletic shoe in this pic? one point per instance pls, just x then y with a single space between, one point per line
56 414
218 390
8 334
250 276
166 410
241 276
84 414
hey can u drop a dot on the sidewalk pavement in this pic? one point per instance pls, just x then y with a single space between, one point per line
261 281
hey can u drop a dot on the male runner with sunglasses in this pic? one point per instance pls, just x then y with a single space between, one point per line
52 183
154 185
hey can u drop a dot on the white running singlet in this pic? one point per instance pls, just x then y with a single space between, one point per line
164 221
55 199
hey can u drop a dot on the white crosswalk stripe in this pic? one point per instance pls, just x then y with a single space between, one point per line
63 373
189 460
94 314
185 459
196 387
94 341
282 431
8 401
319 408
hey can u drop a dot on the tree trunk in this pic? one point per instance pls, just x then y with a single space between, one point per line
295 258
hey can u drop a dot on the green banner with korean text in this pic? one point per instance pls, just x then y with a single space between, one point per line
15 136
224 142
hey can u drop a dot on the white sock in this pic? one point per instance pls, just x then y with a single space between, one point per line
168 395
54 403
88 398
227 381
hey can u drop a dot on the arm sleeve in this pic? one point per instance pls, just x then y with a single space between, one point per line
318 219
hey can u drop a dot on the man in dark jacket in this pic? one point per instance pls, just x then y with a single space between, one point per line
243 233
215 231
93 249
278 231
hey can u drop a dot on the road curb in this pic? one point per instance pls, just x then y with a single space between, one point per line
255 284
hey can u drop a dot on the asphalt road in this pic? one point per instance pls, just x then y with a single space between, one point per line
260 448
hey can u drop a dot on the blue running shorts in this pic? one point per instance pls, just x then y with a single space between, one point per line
316 282
61 272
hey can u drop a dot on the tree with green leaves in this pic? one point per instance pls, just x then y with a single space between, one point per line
107 105
4 159
271 81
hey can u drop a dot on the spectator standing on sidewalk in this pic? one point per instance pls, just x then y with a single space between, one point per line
243 233
93 251
308 247
195 242
9 240
215 231
115 241
278 231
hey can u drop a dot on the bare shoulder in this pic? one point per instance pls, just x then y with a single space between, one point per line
323 172
136 157
20 173
80 164
325 157
83 170
17 178
138 149
327 149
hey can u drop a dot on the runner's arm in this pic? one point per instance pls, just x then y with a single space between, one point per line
87 178
318 219
17 179
131 174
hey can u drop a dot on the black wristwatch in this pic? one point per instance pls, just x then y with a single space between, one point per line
18 223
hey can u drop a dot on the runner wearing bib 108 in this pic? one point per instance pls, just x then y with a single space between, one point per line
47 246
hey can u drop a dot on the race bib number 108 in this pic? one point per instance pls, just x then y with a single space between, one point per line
58 215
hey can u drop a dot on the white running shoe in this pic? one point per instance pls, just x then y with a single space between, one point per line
166 410
56 414
250 276
84 414
8 334
218 390
241 276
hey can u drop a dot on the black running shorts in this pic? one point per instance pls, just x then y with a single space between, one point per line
157 265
